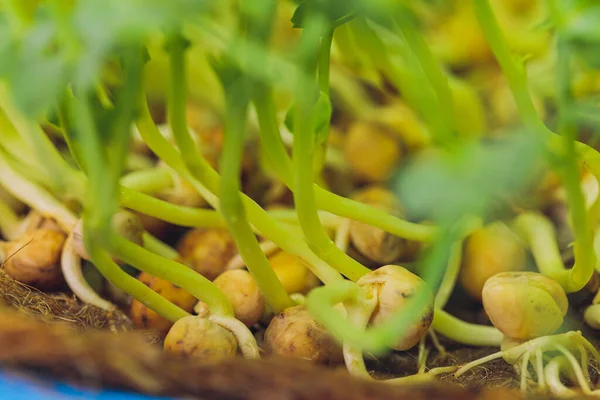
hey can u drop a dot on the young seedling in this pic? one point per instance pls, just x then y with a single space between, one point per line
533 351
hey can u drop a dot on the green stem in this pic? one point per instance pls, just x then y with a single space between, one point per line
515 72
176 102
39 142
205 177
149 180
230 200
35 196
115 275
538 233
172 213
449 280
432 70
464 332
156 246
517 80
233 209
304 197
585 257
324 61
172 271
271 142
276 152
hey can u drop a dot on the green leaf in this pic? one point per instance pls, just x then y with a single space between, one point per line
321 116
470 180
337 12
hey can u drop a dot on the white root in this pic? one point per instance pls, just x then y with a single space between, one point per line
246 340
359 315
552 377
342 234
36 197
72 271
532 352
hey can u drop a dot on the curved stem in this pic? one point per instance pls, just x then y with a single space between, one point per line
552 376
514 71
233 210
172 271
231 205
203 176
158 247
138 290
585 257
464 332
276 152
172 213
244 336
305 143
149 180
35 197
538 233
71 268
451 275
359 312
432 70
592 316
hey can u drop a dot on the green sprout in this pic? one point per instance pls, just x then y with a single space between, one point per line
86 71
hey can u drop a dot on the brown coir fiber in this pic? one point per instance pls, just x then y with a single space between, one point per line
54 307
126 360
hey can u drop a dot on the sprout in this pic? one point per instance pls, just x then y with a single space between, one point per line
525 305
293 274
294 333
373 242
244 295
371 152
196 336
488 251
125 223
35 259
394 286
207 250
144 317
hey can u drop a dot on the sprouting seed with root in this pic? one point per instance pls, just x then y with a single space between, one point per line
533 353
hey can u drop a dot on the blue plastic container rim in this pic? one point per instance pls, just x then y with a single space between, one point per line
18 386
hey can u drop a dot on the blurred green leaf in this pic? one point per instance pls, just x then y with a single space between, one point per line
471 179
72 47
321 113
337 12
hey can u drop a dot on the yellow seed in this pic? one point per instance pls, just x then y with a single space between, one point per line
292 273
395 286
198 337
243 293
371 152
525 305
489 251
